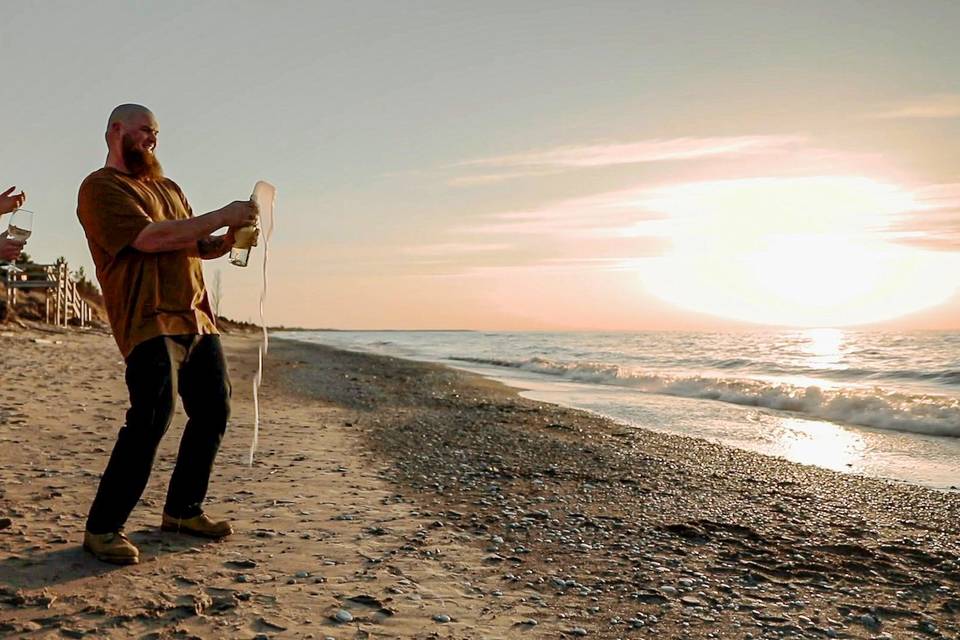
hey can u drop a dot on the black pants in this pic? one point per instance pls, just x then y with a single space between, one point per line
157 369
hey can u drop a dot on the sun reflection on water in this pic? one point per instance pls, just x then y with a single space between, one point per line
818 352
823 444
824 348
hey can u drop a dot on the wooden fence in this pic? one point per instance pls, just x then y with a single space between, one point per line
62 301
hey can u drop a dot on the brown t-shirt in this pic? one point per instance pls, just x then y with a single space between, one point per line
146 294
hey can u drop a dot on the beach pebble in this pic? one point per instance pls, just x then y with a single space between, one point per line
669 591
868 620
242 564
928 627
578 631
343 616
442 618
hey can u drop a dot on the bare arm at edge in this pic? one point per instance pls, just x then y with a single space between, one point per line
173 235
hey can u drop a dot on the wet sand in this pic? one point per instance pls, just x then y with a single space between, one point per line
430 503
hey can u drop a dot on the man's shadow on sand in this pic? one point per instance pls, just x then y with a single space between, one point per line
35 569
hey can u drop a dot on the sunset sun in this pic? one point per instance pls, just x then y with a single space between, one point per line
793 251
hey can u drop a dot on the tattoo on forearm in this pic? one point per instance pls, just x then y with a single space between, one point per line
210 246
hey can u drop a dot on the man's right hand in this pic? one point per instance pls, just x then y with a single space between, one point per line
239 213
10 249
174 235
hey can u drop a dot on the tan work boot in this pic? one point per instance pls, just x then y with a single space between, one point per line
200 525
113 547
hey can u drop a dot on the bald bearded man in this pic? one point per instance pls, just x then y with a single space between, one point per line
147 247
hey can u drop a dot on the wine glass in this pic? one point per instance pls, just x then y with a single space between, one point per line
21 224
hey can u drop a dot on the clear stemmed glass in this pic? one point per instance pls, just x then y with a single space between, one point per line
21 224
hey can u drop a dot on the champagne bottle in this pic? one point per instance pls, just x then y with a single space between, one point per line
244 239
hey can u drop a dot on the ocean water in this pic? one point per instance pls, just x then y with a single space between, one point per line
872 403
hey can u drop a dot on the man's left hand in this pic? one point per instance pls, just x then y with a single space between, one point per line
229 238
213 247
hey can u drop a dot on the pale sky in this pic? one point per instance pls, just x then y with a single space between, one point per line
532 165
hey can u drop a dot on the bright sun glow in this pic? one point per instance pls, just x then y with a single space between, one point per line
793 251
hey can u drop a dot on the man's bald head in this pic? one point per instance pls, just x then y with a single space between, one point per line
125 113
132 132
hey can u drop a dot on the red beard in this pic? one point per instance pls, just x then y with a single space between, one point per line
140 164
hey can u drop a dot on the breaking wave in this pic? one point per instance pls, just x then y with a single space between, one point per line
864 406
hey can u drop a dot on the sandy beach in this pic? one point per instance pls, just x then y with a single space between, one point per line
415 501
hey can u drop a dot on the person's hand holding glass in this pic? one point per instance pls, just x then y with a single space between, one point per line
21 223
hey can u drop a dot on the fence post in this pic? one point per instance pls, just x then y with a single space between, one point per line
66 293
56 319
61 303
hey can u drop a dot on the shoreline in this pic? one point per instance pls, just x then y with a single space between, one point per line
763 415
937 484
432 503
701 537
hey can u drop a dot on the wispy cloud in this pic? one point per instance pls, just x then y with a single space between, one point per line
939 231
597 215
935 223
602 232
939 196
656 150
493 178
932 107
452 249
545 266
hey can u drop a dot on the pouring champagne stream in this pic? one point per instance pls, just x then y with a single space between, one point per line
264 195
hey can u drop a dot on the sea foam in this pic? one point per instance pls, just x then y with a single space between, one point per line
864 406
